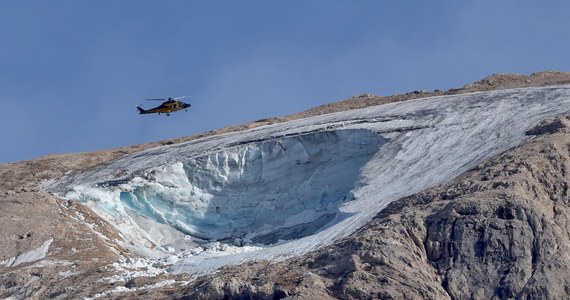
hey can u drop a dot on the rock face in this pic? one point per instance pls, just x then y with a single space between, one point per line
500 231
78 245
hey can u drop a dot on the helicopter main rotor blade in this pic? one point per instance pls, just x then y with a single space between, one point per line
181 97
157 99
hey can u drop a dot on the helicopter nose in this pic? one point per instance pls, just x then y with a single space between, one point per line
187 105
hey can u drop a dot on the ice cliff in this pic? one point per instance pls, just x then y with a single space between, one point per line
285 189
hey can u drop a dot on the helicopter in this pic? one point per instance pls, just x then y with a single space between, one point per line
168 106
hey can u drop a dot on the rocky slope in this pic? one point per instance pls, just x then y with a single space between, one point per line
499 231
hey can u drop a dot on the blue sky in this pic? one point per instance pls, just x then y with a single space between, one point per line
71 72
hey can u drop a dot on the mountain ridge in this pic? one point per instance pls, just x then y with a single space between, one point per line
491 82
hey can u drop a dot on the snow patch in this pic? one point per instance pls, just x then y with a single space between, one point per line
30 256
68 273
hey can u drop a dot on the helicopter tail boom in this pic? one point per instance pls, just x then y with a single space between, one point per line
142 111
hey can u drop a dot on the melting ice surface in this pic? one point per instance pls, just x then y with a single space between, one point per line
293 187
262 192
259 192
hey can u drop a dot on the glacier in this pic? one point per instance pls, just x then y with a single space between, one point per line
284 189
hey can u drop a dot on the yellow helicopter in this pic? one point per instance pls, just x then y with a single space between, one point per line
168 106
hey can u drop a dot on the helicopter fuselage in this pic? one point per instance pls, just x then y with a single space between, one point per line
166 107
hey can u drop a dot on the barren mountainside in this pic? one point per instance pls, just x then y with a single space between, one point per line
499 231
